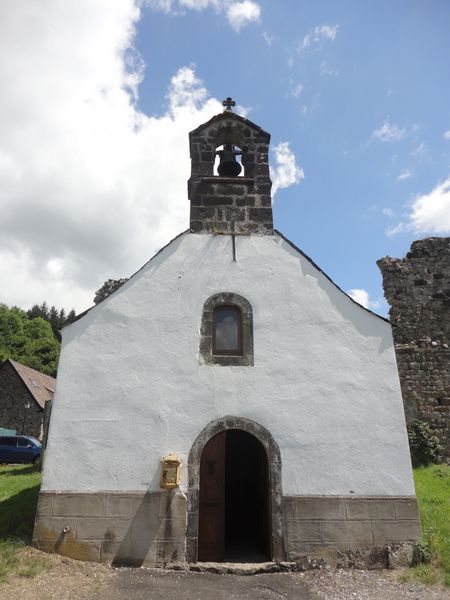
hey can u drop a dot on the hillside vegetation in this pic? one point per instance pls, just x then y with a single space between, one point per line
32 337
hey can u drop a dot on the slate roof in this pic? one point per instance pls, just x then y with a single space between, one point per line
41 386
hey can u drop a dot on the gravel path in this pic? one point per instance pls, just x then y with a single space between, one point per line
66 579
369 585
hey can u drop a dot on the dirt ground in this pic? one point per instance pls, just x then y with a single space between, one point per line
65 579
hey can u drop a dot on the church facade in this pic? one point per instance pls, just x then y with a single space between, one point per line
272 395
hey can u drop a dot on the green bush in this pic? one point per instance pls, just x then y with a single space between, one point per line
424 445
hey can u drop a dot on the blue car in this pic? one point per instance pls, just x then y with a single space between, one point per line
19 449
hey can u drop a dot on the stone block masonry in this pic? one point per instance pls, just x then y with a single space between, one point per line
348 523
418 289
136 528
224 205
119 527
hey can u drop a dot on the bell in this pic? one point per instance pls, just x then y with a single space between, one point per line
228 166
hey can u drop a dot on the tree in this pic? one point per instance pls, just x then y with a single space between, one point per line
12 337
42 349
71 317
29 341
57 319
110 286
39 311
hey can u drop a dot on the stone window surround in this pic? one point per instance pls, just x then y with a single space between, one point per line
206 355
275 485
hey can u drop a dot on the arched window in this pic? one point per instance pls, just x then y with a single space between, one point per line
227 331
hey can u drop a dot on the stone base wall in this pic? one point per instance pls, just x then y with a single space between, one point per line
348 523
122 528
150 529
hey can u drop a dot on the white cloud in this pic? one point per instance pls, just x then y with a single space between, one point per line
90 187
176 6
242 13
388 132
420 149
199 4
362 297
87 185
296 90
286 172
319 33
269 39
406 174
388 212
429 213
326 71
239 13
446 135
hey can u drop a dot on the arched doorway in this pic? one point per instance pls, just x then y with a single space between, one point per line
234 494
234 515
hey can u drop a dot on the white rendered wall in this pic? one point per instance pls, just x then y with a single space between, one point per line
131 388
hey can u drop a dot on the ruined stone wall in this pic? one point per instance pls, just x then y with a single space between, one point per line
418 289
14 395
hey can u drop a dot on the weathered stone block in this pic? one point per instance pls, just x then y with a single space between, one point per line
101 529
122 505
263 215
350 532
396 531
170 551
304 531
44 505
81 550
402 557
172 505
366 509
246 201
319 507
406 508
78 505
218 201
51 528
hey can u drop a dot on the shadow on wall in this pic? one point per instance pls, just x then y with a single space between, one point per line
155 534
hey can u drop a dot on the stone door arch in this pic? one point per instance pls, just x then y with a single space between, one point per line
275 487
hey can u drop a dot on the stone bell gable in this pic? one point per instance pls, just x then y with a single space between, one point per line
230 203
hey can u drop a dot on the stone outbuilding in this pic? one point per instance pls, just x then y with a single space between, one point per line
418 289
24 393
271 396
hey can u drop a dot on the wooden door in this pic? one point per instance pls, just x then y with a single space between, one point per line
211 527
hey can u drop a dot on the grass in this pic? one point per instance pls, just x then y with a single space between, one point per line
19 489
433 495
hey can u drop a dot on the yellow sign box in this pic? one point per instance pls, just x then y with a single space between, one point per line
170 471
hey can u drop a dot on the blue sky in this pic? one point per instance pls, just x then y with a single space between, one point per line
355 94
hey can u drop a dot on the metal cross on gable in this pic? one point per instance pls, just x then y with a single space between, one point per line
228 103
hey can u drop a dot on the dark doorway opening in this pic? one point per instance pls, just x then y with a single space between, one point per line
234 506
